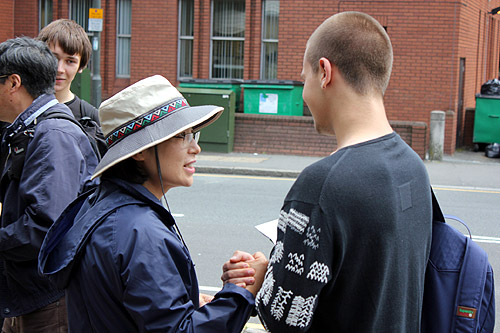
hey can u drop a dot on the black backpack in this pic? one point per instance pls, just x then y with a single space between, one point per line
18 142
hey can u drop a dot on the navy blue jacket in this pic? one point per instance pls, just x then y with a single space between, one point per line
125 269
58 164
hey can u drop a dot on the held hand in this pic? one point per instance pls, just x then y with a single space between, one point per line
204 299
236 270
259 264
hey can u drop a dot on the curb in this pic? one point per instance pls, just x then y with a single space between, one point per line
248 171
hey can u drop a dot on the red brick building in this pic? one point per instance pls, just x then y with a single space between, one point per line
443 52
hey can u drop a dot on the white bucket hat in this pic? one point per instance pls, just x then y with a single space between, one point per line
145 114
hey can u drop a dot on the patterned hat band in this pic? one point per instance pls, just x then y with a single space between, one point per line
145 120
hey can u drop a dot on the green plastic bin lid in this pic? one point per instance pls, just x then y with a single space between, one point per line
488 96
274 82
211 81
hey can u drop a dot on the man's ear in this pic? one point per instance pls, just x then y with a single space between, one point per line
325 67
16 82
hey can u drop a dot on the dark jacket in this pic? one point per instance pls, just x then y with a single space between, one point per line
125 269
58 164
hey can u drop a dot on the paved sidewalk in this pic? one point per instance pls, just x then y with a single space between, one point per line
464 168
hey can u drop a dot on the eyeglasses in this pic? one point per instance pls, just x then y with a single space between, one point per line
188 137
5 75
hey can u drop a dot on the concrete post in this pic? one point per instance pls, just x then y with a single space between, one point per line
436 146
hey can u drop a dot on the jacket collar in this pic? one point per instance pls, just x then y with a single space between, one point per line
69 235
27 116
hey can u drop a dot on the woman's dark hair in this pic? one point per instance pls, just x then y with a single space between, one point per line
129 170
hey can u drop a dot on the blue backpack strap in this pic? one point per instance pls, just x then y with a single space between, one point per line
471 281
471 286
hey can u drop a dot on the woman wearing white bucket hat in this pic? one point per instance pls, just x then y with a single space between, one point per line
117 251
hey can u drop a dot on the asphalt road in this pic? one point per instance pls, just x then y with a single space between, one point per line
218 214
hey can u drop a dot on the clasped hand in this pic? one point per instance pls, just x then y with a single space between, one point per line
245 270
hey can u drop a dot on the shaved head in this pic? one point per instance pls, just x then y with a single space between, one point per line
358 46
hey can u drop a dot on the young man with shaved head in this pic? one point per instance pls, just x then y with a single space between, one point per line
354 232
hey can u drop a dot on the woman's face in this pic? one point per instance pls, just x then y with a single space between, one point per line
177 156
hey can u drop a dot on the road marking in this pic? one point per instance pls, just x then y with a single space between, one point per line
243 177
436 187
466 189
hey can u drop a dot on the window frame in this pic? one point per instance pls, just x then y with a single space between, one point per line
266 42
181 38
222 38
81 18
123 36
44 18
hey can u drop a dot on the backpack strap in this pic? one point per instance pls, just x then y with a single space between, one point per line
62 115
471 285
471 281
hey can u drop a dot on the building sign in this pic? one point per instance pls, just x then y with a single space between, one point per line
95 19
268 103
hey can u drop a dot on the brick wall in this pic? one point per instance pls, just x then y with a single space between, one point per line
6 20
450 136
428 38
26 18
291 135
154 39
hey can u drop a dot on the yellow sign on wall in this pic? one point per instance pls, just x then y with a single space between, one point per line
95 19
95 13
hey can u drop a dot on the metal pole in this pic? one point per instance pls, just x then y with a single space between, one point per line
96 63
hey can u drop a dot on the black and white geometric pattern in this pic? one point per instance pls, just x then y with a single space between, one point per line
301 311
277 253
266 291
282 221
312 237
280 300
318 272
295 263
297 221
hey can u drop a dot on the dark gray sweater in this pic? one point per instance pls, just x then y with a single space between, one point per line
353 241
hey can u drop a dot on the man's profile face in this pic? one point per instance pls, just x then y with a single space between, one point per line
7 108
313 95
67 67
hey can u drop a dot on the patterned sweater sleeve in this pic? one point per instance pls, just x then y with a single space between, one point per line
299 269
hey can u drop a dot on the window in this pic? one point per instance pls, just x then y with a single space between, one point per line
79 12
186 19
123 37
228 37
45 13
269 56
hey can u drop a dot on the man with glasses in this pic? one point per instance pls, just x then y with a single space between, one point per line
41 176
